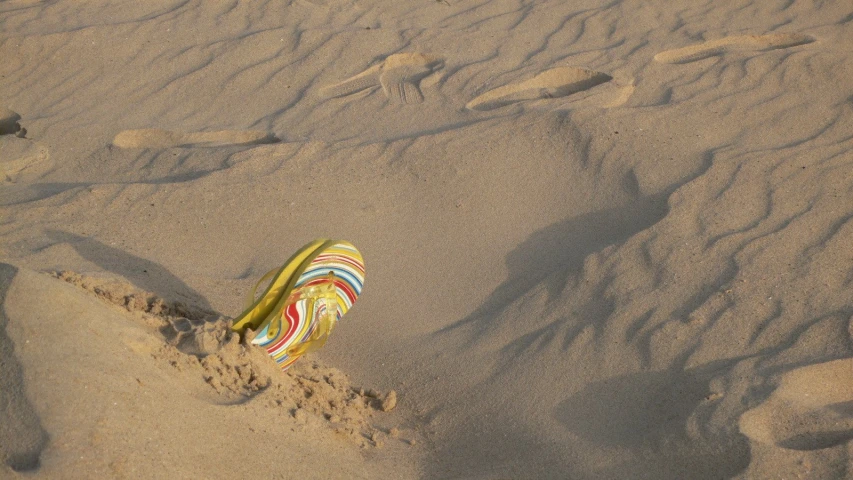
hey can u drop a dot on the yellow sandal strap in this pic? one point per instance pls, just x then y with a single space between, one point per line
250 298
291 283
258 310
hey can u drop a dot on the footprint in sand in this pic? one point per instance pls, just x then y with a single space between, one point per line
156 138
811 409
757 43
399 75
557 82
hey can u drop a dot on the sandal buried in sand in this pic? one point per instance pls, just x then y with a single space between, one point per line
304 300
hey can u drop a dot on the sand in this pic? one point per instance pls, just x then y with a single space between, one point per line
602 240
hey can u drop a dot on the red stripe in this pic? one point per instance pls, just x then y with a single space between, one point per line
292 324
341 285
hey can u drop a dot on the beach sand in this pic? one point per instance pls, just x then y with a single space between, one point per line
602 240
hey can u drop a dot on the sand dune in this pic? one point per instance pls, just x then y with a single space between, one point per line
590 253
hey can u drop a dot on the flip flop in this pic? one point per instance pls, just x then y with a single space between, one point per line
304 301
257 311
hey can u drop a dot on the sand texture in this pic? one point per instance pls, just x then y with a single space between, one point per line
603 239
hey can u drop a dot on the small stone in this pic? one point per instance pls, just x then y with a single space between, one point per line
214 382
300 416
389 402
135 302
377 439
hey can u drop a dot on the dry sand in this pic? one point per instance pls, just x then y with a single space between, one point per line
603 240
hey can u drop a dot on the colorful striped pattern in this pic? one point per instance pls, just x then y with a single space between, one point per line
329 284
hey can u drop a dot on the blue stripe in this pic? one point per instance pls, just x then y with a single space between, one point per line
352 280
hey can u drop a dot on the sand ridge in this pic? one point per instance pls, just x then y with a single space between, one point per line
810 410
200 342
149 382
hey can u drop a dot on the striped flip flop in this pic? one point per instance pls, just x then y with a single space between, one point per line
304 300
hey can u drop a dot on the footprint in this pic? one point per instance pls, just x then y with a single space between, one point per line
557 82
156 138
399 75
364 80
757 43
811 409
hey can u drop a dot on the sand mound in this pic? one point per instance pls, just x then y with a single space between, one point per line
181 362
201 342
812 409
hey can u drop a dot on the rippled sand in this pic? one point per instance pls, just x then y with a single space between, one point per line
602 240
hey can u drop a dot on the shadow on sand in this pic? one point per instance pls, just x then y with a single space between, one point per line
22 437
144 274
555 253
649 414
